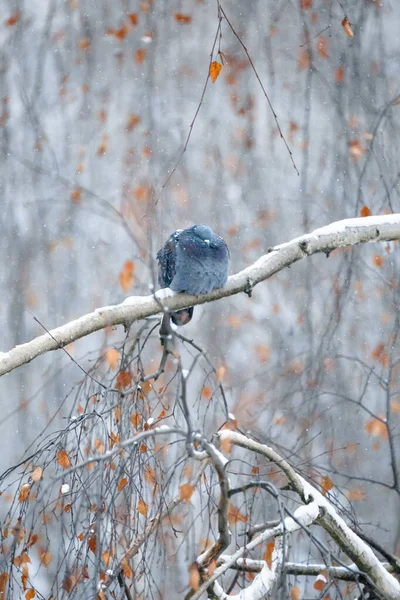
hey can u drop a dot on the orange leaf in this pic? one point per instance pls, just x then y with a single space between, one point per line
143 507
30 594
184 19
295 593
234 515
186 491
106 558
263 353
24 492
356 150
133 18
140 55
112 358
226 445
220 373
45 558
395 406
13 20
126 277
102 149
133 120
304 4
92 542
150 475
206 392
320 582
126 569
326 484
36 475
347 27
75 195
135 419
322 48
63 459
356 495
122 484
365 212
304 59
376 428
215 69
194 576
378 260
145 389
123 380
378 351
268 554
339 75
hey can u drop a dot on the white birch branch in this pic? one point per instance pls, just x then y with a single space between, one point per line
348 541
342 233
263 585
305 515
348 573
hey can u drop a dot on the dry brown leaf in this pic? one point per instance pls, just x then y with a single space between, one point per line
194 577
140 55
126 276
112 358
234 515
30 594
326 484
143 507
356 495
123 380
63 459
45 557
321 581
183 19
376 428
215 69
268 553
37 474
295 593
186 491
24 492
122 484
365 212
347 27
92 543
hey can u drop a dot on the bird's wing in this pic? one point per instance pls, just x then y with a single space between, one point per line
167 261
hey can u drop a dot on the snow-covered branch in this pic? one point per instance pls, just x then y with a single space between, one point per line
347 573
348 541
304 516
342 233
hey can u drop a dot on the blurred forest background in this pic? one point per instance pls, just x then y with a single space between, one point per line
97 99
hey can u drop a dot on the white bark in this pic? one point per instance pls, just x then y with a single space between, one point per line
348 541
305 516
342 233
263 585
347 573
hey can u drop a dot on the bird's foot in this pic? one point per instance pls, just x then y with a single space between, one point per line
249 288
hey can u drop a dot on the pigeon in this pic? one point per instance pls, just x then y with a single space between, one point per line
193 260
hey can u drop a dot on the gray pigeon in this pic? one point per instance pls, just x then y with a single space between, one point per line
193 260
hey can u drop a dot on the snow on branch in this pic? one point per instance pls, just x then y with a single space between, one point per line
342 233
347 540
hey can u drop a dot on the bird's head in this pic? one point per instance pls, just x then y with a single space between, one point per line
205 234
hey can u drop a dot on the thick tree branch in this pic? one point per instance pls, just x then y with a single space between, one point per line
342 233
348 541
349 573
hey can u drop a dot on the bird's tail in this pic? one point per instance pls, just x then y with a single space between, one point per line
183 316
